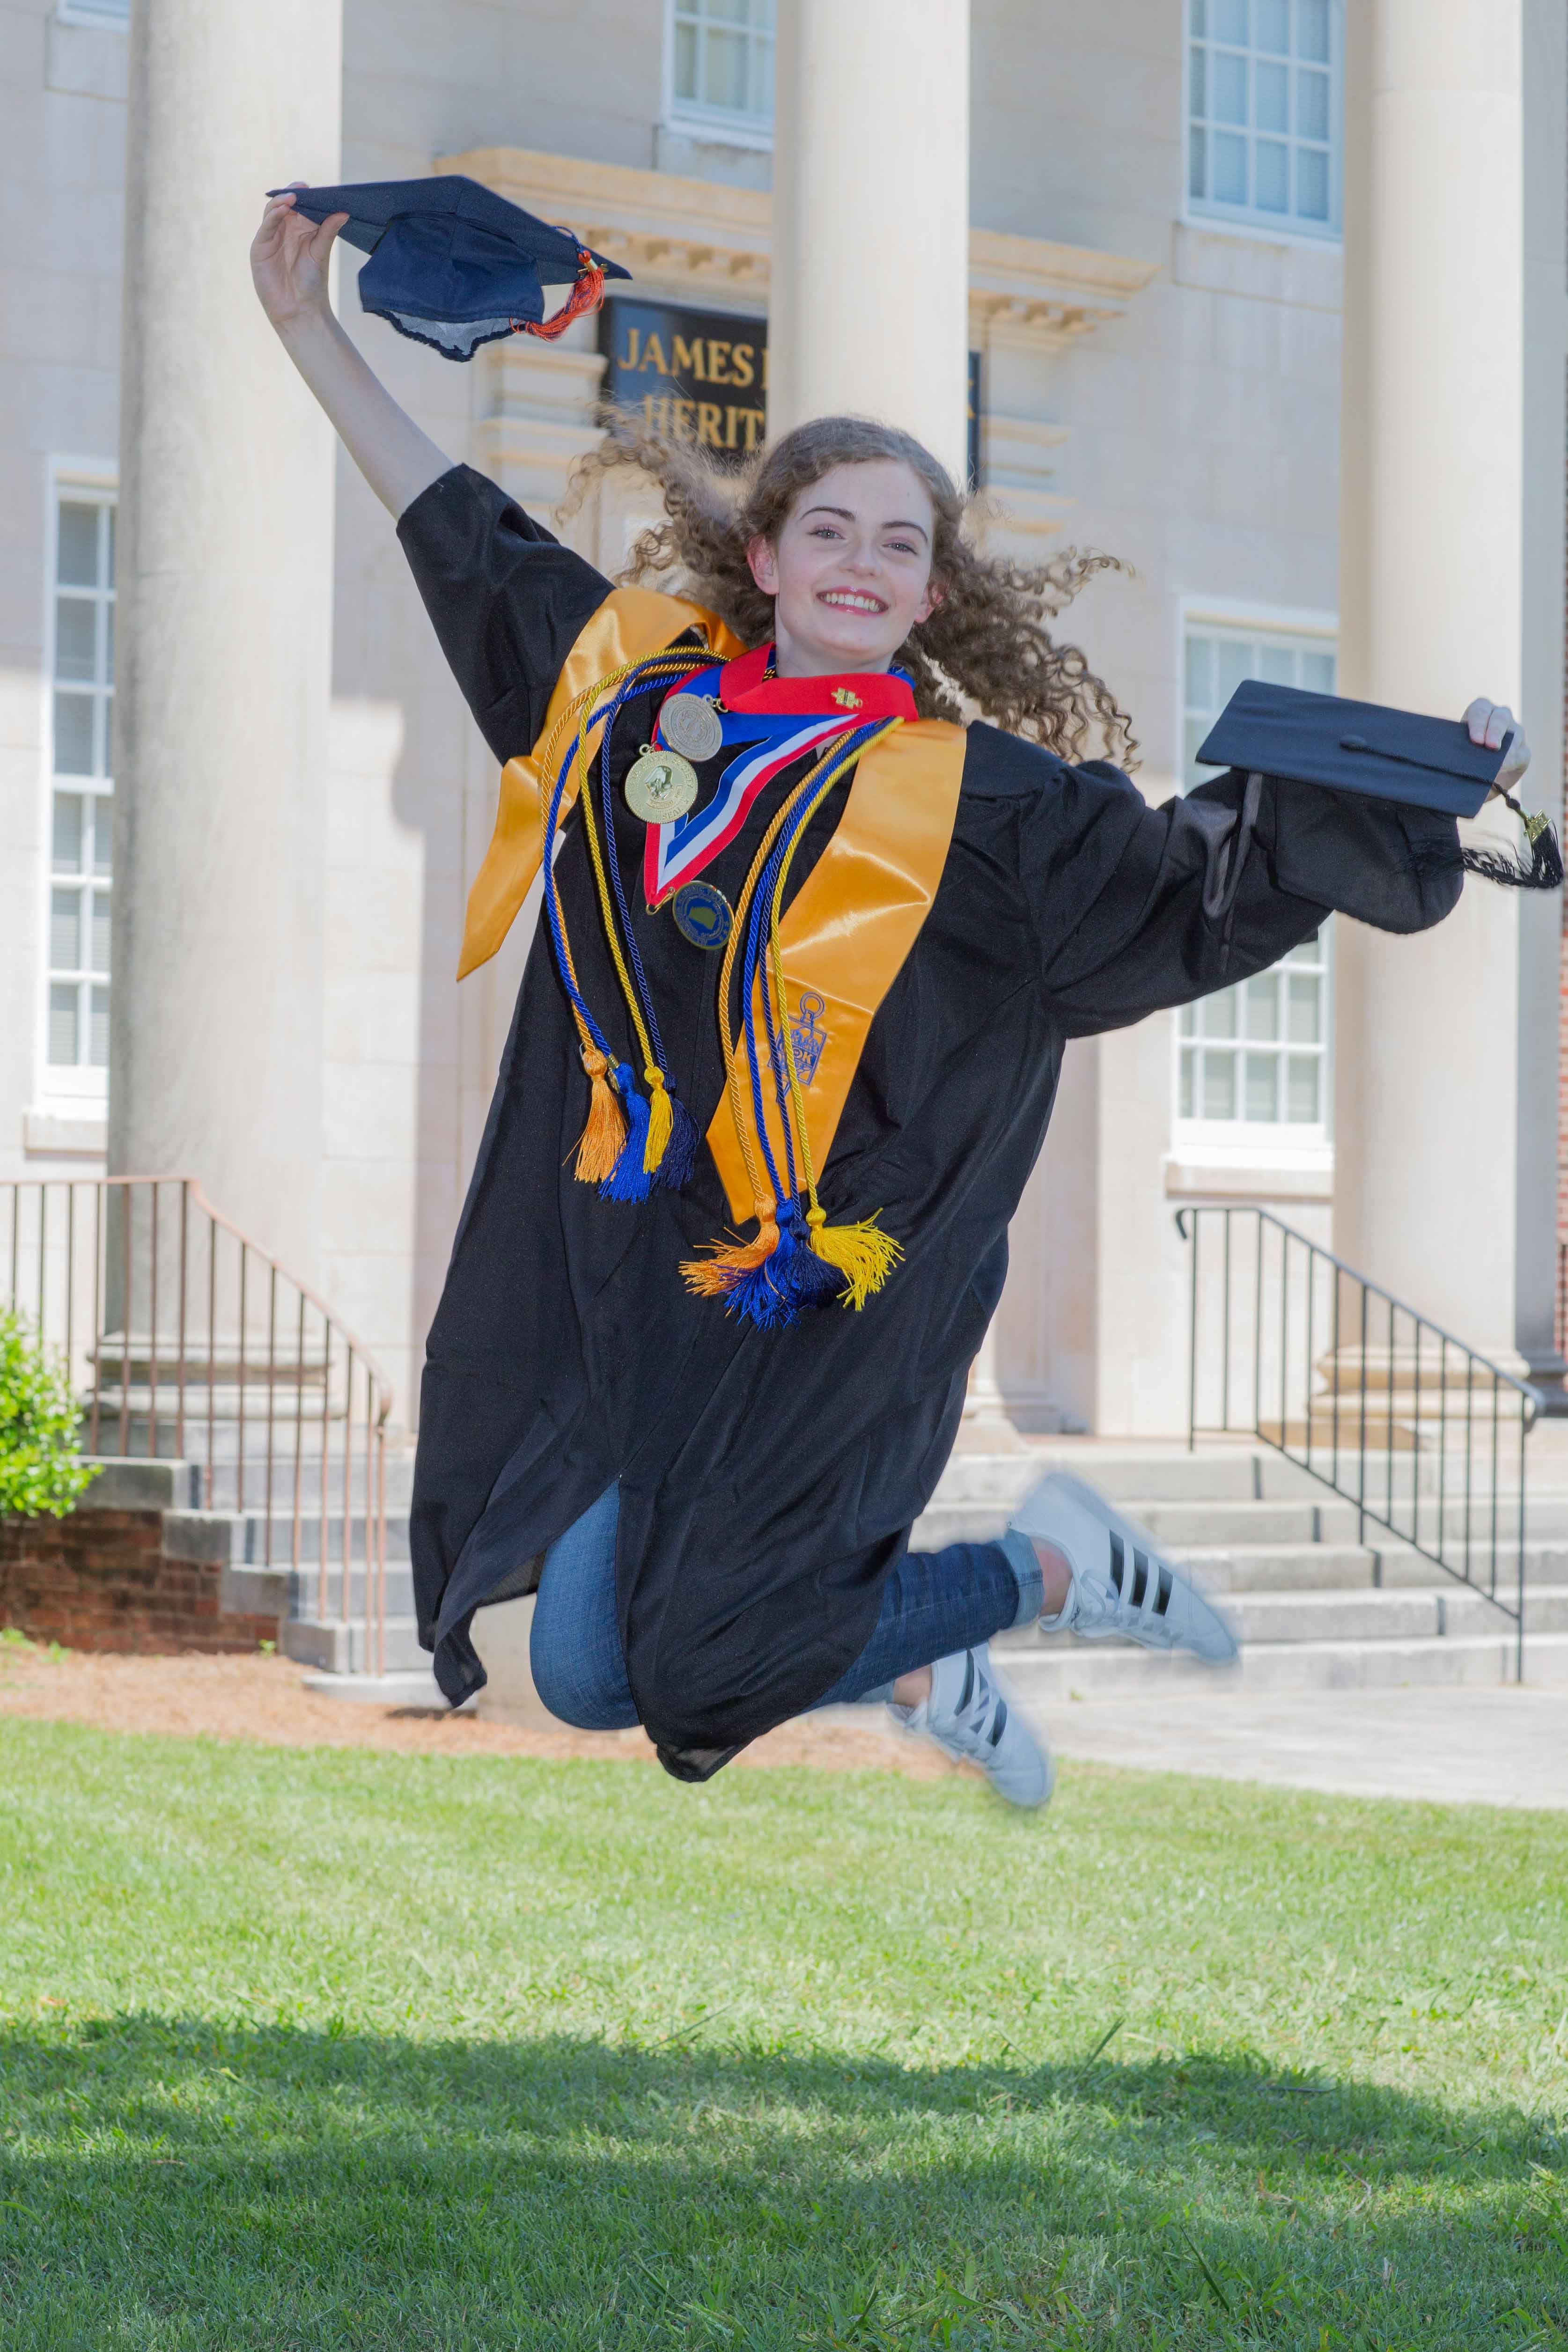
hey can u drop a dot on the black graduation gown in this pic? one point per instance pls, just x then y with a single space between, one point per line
768 1479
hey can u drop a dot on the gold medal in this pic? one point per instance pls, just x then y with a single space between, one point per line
660 786
689 723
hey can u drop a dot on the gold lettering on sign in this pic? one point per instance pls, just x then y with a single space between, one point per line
688 358
745 364
653 356
718 361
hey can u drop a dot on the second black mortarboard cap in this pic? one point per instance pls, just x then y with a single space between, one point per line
1384 754
454 265
1352 747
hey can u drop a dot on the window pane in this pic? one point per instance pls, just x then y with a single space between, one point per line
102 811
1271 165
100 932
1304 1028
1199 673
1237 661
64 930
1230 21
1219 1086
685 61
1193 733
1219 1013
73 734
1199 81
1308 951
1311 106
1199 18
1302 1090
1188 1059
77 545
62 1026
724 72
98 1053
1262 1087
1271 97
109 642
108 530
76 638
1263 1005
1229 89
1312 30
67 833
762 78
1271 26
1189 1021
1311 184
1277 665
1317 673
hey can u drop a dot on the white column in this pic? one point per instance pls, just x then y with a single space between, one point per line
870 306
225 601
1452 555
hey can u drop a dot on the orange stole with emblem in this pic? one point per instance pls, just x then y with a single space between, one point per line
845 939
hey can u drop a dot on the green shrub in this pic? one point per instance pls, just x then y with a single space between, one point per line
41 1468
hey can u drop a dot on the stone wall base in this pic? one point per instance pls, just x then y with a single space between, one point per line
123 1572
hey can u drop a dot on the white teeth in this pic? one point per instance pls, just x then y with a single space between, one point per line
852 603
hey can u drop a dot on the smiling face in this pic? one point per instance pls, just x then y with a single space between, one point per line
850 569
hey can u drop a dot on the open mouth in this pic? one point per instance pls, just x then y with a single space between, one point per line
851 600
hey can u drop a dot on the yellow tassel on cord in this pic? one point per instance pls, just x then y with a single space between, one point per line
721 1269
603 1138
864 1254
661 1119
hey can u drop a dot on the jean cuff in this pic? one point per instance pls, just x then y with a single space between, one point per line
1023 1561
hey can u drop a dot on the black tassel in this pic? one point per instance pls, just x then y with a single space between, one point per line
1544 871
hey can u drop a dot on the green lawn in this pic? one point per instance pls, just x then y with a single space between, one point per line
331 2050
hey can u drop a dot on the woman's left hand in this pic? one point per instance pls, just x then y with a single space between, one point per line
1491 724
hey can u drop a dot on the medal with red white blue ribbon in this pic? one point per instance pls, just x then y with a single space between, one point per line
767 724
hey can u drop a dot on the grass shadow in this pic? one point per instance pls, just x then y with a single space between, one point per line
170 2183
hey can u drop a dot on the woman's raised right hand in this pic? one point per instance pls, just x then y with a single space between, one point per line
289 257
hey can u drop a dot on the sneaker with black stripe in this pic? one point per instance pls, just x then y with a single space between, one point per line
1122 1589
970 1718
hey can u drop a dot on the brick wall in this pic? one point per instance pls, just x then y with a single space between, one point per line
112 1576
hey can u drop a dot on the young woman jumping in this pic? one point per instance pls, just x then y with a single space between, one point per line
784 1057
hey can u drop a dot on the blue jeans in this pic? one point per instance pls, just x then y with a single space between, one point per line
933 1603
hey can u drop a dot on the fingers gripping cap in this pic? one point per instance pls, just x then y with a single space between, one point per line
454 265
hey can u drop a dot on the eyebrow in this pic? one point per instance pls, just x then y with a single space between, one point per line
848 515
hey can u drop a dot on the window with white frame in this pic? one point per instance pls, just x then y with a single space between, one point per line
112 13
1265 111
81 816
1252 1062
721 64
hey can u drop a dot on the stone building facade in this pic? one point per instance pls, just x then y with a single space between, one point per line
239 964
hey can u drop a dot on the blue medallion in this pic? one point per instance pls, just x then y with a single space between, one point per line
703 915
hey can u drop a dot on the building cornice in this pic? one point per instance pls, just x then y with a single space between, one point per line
702 237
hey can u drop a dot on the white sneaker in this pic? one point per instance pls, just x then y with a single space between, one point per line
1120 1586
971 1718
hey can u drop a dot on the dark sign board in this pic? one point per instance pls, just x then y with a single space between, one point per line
702 375
695 375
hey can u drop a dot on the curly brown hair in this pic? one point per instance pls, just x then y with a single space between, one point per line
985 651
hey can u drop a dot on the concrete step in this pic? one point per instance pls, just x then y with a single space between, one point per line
1229 1472
259 1540
1438 1611
337 1649
1045 1677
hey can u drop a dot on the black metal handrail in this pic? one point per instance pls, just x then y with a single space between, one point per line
186 1340
1291 1345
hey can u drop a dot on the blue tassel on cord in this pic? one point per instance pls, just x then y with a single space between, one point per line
628 1179
680 1152
790 1279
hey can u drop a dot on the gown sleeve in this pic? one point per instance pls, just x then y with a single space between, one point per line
1137 907
508 601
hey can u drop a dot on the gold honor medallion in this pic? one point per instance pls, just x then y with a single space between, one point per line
689 724
660 786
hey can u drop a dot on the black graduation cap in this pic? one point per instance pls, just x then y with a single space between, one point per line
1386 754
454 265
